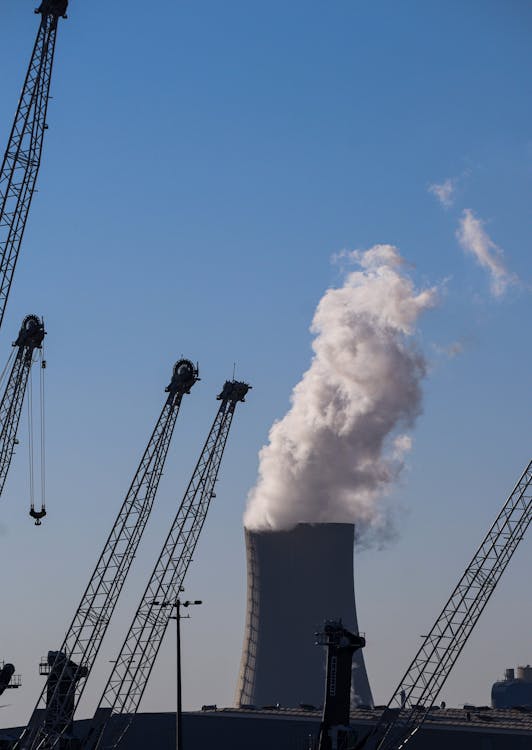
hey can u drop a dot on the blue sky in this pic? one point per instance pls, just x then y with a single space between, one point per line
203 164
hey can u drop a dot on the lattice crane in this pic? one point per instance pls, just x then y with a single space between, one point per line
67 669
22 159
29 340
426 675
132 669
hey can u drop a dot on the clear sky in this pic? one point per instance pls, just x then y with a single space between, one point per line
203 163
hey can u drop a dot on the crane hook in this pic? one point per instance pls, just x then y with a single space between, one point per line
37 514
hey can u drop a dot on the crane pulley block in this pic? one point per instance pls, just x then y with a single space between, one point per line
54 8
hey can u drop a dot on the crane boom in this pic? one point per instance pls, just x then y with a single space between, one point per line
29 339
132 669
67 669
426 675
22 158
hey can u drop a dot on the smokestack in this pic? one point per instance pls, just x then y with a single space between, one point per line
296 580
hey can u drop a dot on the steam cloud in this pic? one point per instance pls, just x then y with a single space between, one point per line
339 447
444 192
475 240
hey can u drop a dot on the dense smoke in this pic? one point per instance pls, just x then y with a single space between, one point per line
341 444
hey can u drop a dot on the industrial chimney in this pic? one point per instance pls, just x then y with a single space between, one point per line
296 580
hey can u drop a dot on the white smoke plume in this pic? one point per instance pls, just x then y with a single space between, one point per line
332 457
475 240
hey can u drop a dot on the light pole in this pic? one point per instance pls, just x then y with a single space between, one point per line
177 617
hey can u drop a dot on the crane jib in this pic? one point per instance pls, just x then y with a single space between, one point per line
68 668
134 664
22 158
427 673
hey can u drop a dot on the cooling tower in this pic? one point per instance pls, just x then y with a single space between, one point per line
297 579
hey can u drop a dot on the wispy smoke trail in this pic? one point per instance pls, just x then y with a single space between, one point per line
444 192
333 455
475 240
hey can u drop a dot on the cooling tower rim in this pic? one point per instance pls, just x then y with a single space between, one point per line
301 525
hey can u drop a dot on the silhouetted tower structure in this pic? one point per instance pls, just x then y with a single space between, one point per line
132 668
341 644
297 579
68 668
29 340
22 158
62 674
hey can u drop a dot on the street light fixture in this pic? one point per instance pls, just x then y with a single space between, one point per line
178 617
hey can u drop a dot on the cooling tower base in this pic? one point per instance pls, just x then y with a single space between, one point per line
297 579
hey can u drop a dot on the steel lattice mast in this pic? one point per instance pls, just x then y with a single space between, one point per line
22 158
132 669
426 675
68 668
29 339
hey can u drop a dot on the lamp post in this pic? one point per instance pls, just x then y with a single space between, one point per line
177 617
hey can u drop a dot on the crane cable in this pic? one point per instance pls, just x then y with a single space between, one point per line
6 368
30 441
37 515
43 433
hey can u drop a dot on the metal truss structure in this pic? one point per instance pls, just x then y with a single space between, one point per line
22 159
69 668
426 675
132 669
29 339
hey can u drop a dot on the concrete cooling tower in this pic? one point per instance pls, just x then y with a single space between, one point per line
297 579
